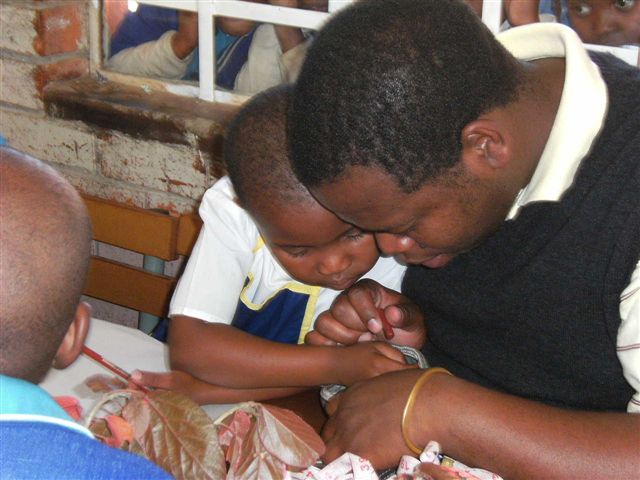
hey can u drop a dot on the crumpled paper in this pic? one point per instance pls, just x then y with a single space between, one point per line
352 467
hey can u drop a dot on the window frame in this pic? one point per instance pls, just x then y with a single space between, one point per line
207 11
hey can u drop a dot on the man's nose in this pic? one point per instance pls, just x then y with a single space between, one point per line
393 244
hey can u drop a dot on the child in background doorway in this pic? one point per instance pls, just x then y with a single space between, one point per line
606 22
269 259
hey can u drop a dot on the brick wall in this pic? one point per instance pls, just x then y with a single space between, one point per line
44 43
111 141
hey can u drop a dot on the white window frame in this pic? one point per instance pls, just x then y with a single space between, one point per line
208 9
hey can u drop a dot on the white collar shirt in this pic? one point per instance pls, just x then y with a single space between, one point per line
579 119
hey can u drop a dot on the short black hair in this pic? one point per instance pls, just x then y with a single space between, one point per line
391 84
45 235
256 152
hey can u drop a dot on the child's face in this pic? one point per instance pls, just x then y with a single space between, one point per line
606 22
315 246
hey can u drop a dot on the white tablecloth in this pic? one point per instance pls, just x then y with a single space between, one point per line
126 347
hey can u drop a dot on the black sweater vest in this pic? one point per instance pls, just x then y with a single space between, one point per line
534 310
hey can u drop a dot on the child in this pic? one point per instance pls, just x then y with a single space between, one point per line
45 233
606 22
163 43
267 262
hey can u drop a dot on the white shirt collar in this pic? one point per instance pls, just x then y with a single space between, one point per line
580 115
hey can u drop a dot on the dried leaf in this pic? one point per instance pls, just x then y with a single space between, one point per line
289 438
104 383
121 431
175 433
233 433
100 429
70 405
257 466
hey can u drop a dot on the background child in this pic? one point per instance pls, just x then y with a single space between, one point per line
606 22
269 259
45 235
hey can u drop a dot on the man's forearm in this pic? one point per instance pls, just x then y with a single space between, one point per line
517 438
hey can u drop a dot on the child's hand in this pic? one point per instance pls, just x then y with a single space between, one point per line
355 317
366 360
175 380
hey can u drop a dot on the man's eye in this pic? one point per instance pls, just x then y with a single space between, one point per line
297 253
624 4
355 235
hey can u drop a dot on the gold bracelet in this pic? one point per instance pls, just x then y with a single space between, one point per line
411 400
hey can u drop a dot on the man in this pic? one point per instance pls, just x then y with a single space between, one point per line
45 235
507 173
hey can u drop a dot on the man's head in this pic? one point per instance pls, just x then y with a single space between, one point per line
311 243
391 84
45 236
606 22
401 96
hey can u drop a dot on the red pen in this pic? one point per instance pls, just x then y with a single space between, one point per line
111 366
386 327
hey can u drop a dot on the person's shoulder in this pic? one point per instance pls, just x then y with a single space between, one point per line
265 36
41 449
220 197
220 210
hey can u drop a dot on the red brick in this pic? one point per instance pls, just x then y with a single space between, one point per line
61 70
59 29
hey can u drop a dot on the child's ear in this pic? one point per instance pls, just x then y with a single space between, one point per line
73 340
484 146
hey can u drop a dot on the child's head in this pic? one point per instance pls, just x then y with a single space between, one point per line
606 22
311 243
45 235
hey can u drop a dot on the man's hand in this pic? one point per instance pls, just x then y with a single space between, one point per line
365 419
355 317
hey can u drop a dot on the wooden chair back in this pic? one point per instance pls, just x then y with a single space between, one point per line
147 232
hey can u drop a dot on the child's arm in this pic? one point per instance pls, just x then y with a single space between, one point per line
226 356
205 393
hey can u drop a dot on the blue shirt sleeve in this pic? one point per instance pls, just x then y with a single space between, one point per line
144 25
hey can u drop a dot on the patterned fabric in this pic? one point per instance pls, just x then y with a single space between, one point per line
232 60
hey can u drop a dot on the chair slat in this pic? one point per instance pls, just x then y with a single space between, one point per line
136 229
129 287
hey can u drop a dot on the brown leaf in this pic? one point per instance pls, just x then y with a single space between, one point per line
257 466
71 405
100 429
176 434
104 383
121 431
287 437
232 434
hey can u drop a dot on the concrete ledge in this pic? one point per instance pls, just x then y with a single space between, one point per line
158 116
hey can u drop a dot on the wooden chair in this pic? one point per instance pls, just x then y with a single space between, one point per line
159 237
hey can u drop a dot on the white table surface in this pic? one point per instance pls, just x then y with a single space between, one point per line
126 347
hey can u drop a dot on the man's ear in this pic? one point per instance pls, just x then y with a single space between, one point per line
484 146
73 340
